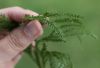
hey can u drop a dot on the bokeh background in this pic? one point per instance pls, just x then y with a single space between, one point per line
83 55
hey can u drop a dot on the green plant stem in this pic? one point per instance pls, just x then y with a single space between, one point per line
39 60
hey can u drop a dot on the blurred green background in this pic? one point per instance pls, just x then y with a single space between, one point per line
83 55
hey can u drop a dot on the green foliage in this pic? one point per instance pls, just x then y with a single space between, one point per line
61 26
6 24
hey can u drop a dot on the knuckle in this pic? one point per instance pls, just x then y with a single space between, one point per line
14 43
17 41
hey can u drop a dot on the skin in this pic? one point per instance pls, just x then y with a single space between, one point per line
12 44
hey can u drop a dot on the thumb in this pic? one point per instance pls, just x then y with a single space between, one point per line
19 39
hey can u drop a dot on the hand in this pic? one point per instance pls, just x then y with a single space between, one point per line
12 45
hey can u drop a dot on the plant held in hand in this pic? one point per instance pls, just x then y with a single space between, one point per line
59 27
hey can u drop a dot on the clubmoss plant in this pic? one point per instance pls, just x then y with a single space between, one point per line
60 27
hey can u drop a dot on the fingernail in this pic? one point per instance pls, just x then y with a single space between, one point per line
33 30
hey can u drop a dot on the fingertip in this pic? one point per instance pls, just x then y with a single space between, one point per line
38 27
30 12
33 29
17 13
